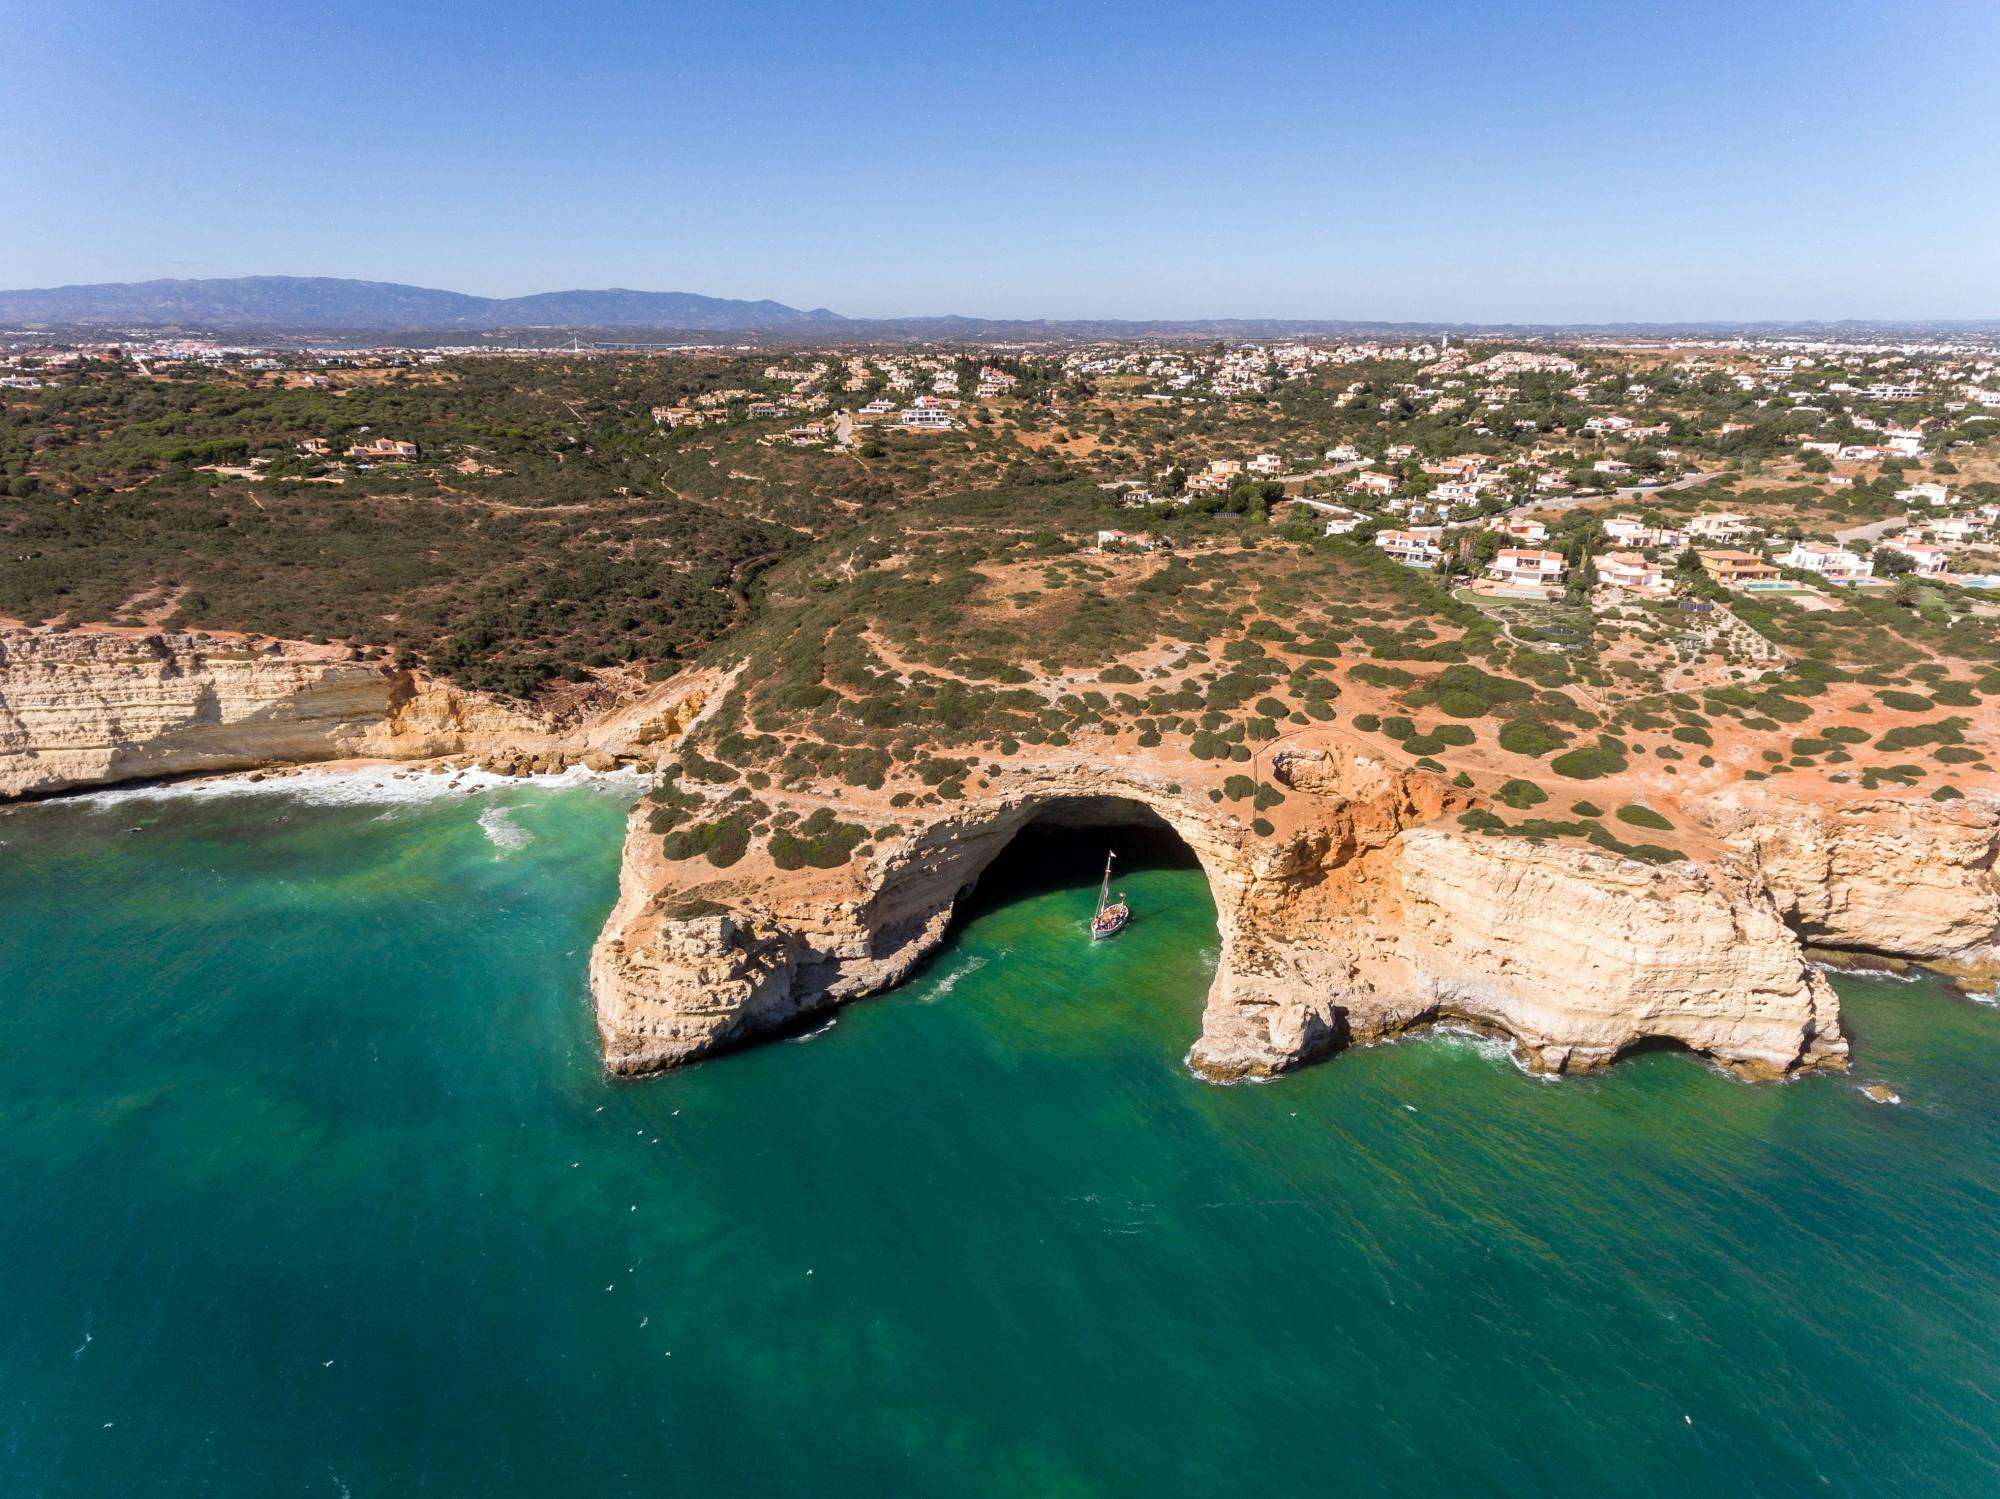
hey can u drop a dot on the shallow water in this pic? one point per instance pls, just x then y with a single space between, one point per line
310 1183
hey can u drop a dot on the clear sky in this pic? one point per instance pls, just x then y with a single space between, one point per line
1475 160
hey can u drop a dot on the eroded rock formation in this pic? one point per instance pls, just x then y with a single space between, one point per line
1360 915
1908 878
82 708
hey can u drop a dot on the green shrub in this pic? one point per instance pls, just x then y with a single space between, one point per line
1644 817
1588 763
1527 736
1236 788
820 841
1911 736
1381 676
1521 795
723 841
1903 702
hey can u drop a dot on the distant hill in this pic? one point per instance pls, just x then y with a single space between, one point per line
327 306
329 303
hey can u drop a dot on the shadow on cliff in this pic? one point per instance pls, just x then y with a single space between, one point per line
1041 860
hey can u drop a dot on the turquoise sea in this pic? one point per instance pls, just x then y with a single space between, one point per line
310 1184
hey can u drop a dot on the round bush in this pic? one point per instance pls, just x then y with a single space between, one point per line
1527 736
1588 763
1644 817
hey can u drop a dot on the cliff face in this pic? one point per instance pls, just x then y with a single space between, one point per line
1579 953
1351 922
82 708
1908 878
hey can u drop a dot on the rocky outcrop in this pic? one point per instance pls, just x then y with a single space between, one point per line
89 707
1906 878
1357 916
1578 954
82 708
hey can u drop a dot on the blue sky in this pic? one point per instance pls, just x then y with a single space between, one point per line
1463 161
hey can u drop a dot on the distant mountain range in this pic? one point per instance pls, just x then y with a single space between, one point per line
331 307
331 304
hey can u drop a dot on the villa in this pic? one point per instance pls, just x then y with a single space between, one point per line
1835 564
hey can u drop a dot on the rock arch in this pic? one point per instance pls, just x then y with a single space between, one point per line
1363 912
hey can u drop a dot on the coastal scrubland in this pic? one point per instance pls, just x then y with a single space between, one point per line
897 610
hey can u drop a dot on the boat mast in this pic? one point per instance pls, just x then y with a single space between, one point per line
1104 895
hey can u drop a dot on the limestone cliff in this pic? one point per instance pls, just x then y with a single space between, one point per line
1351 920
1906 877
90 707
82 708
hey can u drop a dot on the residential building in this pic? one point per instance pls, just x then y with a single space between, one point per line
929 418
1630 531
1632 572
1526 565
1930 559
1720 527
1835 564
1733 569
1416 548
382 449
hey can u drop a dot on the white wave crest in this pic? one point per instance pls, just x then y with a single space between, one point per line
366 784
949 982
502 831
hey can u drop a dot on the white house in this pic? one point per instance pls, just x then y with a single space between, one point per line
1268 464
1930 560
1522 528
1526 565
932 418
1415 548
1632 572
1720 527
1835 564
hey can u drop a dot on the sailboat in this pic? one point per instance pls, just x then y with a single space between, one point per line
1111 915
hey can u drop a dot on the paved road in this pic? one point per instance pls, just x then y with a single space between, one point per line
1874 530
1628 492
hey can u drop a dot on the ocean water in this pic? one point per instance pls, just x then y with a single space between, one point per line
310 1184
